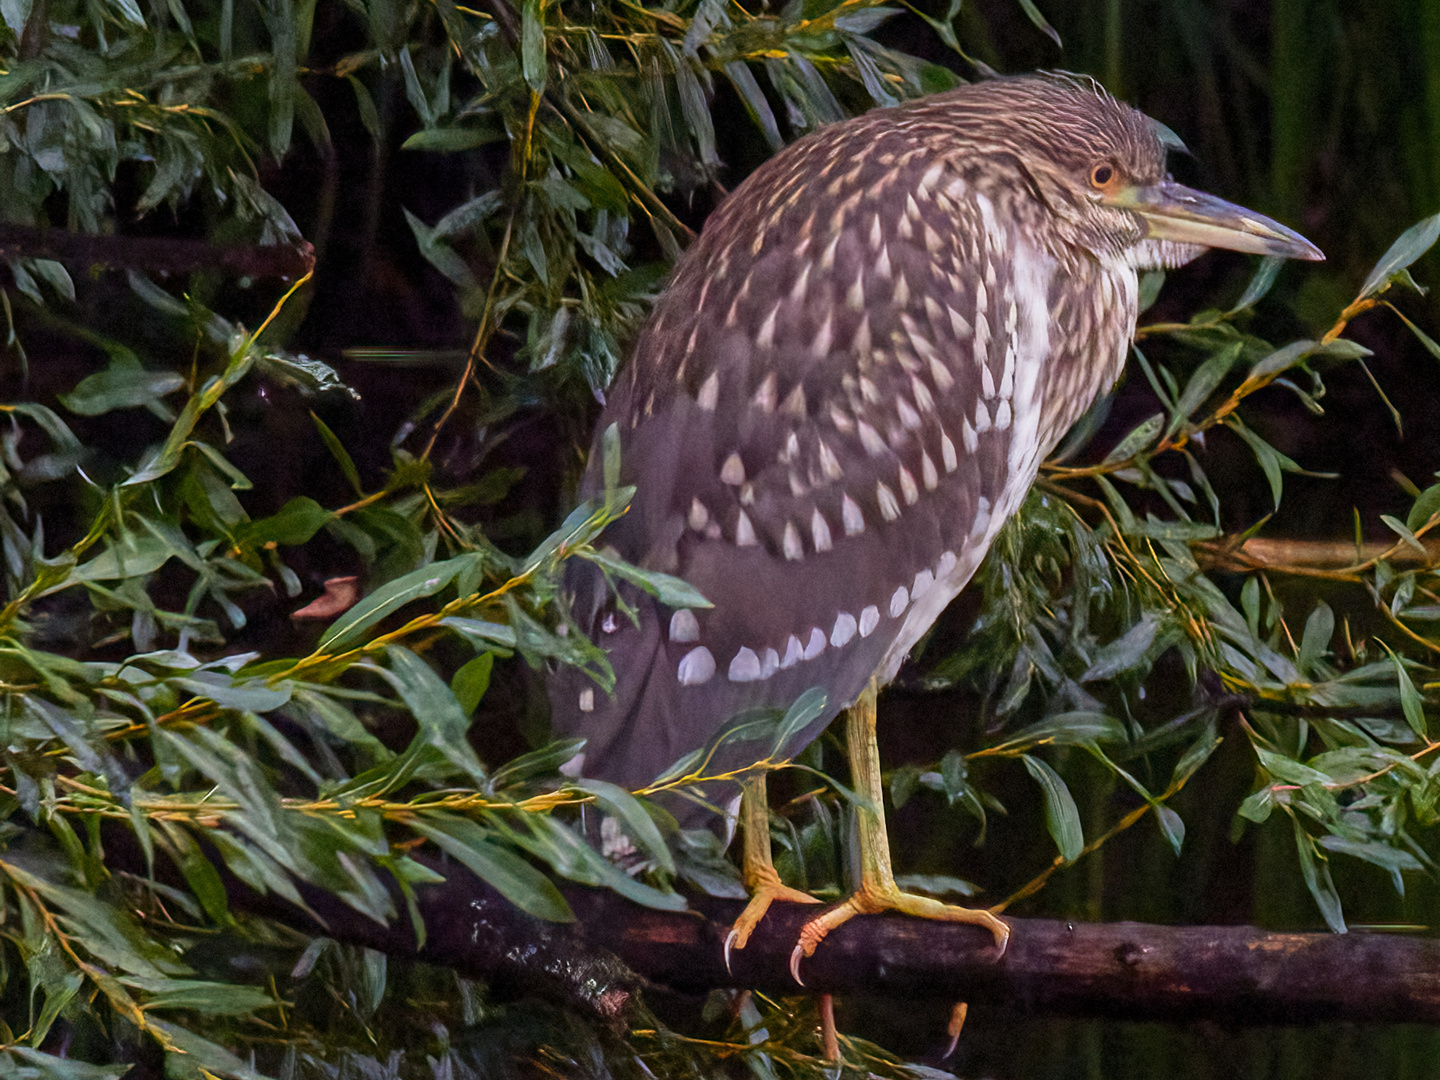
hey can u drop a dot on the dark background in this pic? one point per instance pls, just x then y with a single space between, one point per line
1324 114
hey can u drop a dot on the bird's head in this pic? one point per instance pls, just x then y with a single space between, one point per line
1098 169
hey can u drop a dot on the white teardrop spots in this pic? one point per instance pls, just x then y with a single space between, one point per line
899 601
794 550
844 629
869 619
765 396
820 347
684 627
923 401
889 506
870 439
744 531
816 645
766 335
909 418
698 517
968 436
745 667
923 580
709 394
793 651
852 516
587 699
908 491
820 532
733 471
696 667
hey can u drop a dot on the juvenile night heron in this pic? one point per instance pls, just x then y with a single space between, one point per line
845 390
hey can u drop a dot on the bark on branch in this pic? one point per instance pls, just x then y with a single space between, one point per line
1132 970
157 254
1337 558
1235 974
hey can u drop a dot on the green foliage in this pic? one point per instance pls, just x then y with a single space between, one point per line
132 565
1083 597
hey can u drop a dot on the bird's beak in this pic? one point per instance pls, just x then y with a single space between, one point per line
1182 215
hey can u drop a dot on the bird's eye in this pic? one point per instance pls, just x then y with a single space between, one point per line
1101 175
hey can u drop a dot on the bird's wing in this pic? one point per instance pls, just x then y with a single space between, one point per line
828 415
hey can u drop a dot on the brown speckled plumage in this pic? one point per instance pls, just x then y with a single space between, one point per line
847 386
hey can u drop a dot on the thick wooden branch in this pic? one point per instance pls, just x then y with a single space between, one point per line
1334 557
156 254
1236 974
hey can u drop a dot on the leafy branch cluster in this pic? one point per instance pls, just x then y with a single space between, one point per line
128 707
1084 596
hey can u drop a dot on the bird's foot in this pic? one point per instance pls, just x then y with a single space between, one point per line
871 900
765 887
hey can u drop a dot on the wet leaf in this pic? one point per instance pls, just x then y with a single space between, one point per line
472 680
44 1066
1288 770
481 634
194 1057
1319 628
427 581
1281 360
1260 283
443 723
1201 384
456 139
1412 243
1258 805
671 591
532 44
125 384
250 695
209 998
620 804
1411 702
339 453
1062 818
1318 881
1381 855
294 524
539 762
515 879
745 84
134 555
1039 21
1171 827
1140 437
1265 454
1126 652
1070 729
1427 505
803 712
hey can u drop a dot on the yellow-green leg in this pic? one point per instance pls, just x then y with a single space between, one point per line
758 868
878 891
